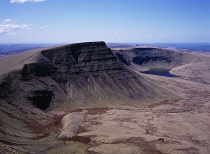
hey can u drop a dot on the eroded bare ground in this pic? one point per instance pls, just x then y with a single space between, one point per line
180 126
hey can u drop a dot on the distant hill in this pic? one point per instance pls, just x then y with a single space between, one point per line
119 45
10 49
197 47
11 52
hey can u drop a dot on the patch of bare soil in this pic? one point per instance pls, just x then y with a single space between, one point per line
191 150
91 152
97 111
81 139
44 126
146 147
165 102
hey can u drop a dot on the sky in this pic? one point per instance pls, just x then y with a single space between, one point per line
125 21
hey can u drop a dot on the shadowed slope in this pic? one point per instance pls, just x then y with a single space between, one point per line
81 75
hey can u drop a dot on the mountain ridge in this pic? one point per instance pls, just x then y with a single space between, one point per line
77 75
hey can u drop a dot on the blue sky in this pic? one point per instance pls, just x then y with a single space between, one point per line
139 21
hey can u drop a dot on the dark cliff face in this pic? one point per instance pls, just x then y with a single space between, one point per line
79 75
155 57
82 58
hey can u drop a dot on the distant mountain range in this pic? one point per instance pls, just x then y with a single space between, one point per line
198 47
10 49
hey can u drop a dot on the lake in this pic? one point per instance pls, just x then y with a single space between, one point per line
160 72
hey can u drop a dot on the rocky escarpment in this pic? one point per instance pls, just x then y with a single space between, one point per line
171 63
149 58
75 76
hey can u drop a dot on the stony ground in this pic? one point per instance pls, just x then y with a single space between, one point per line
179 126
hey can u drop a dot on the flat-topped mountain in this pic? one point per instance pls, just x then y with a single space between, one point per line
73 76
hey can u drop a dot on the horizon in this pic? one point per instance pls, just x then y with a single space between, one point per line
51 21
42 43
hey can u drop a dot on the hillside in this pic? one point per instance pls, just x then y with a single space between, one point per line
190 66
81 75
87 98
65 78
